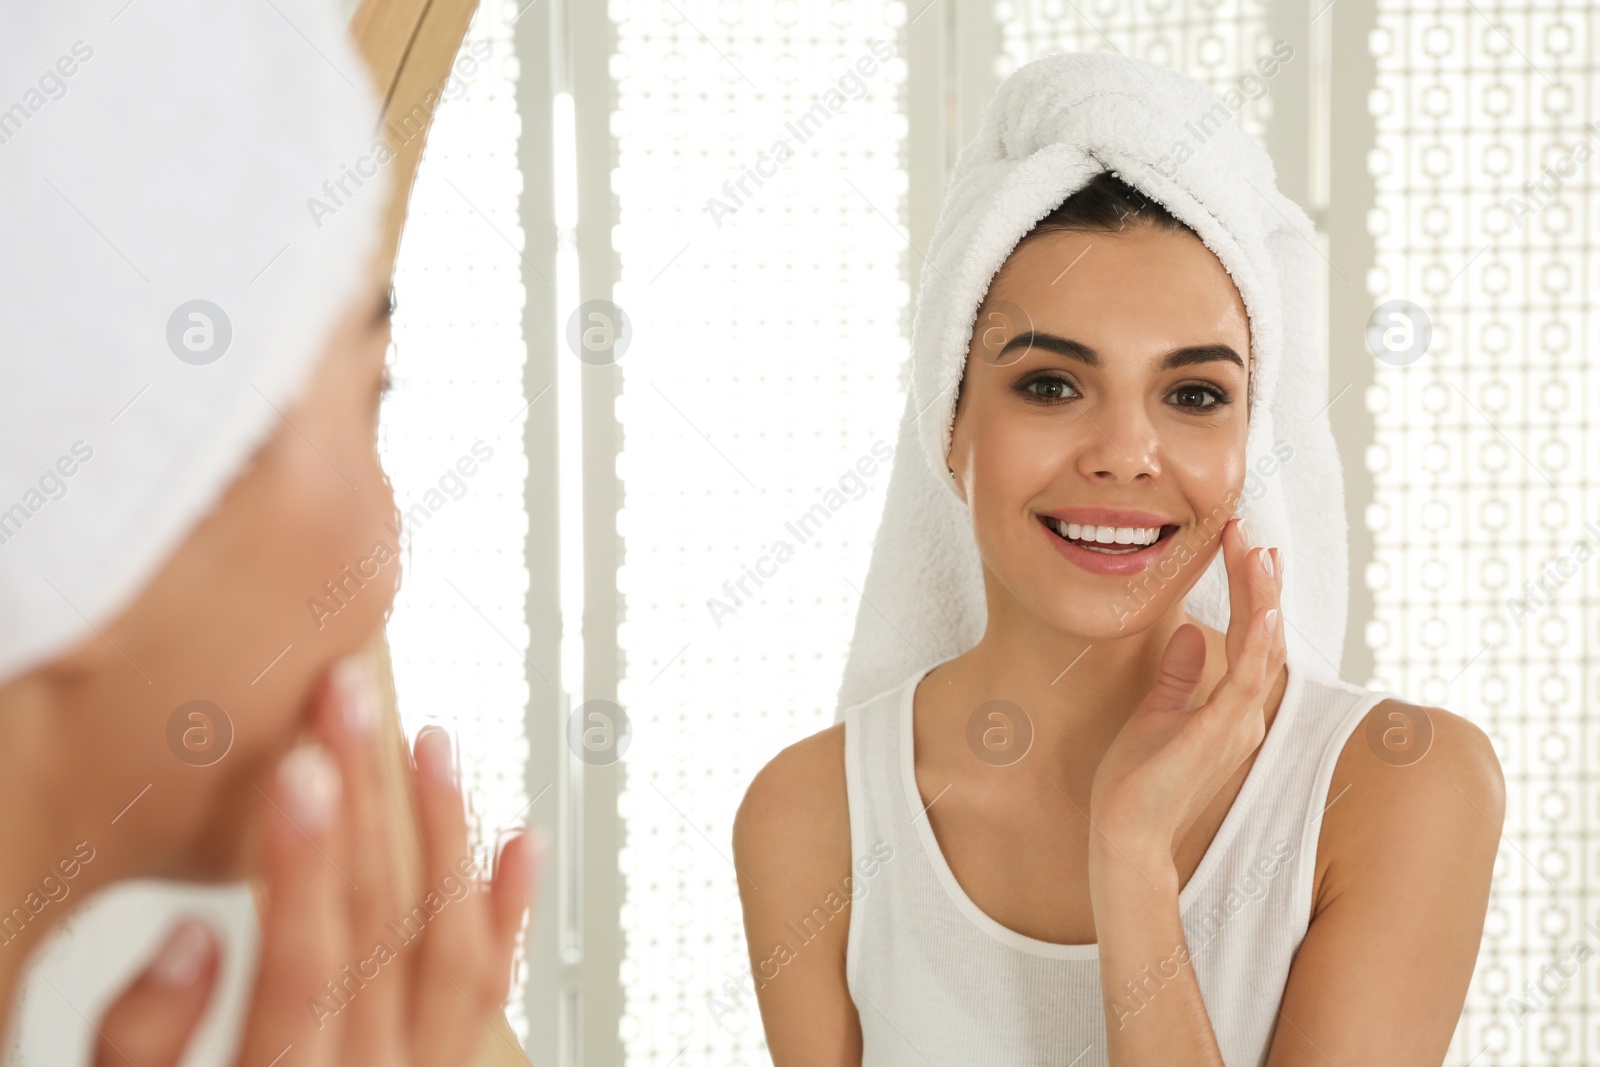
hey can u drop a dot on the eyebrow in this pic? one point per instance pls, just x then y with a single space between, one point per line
385 307
1187 356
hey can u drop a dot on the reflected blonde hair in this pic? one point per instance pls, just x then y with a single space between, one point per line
409 47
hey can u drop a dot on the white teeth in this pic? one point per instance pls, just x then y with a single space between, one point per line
1108 535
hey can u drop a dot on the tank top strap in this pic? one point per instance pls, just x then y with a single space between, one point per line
1271 833
881 832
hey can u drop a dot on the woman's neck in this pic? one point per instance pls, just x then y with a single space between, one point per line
1076 691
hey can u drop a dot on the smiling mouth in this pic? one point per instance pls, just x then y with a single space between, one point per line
1108 540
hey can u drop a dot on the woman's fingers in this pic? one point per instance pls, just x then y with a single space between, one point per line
1243 596
1182 667
1233 550
1239 697
370 1010
150 1023
347 723
1254 587
452 983
516 881
1282 628
1262 575
304 933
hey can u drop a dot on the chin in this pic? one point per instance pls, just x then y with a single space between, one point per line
1095 608
225 846
1088 616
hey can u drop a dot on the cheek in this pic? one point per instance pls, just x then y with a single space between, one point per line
317 507
1210 472
341 576
1011 463
1014 459
340 567
316 587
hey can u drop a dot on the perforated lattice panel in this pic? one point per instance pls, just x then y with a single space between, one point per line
1484 469
769 331
1221 43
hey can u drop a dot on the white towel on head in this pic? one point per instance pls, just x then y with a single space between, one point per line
1052 126
152 154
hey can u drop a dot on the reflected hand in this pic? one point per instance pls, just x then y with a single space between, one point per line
413 982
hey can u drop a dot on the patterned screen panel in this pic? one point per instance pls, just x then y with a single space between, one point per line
1486 505
1223 44
763 264
452 440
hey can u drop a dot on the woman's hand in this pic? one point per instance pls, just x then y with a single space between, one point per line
351 974
1167 762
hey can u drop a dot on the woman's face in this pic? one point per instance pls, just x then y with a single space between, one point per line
294 568
1126 408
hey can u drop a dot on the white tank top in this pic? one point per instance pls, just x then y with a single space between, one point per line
937 981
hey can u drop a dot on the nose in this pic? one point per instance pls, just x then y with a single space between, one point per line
1120 446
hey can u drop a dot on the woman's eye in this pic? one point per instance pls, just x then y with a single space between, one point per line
1202 397
1049 387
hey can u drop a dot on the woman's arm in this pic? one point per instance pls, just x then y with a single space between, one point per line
1408 853
1153 1008
1384 969
791 845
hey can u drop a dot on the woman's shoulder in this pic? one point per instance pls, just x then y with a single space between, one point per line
798 800
805 785
1405 770
797 807
791 845
791 848
1402 752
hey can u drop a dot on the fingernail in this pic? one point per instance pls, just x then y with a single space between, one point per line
1272 619
1277 554
1266 561
311 780
433 748
356 695
1244 531
183 956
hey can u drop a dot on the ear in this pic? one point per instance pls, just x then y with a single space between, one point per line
956 449
956 479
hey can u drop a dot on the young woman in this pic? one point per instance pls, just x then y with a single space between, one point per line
155 573
82 743
1096 840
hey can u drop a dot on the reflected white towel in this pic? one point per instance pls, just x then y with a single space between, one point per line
152 154
1052 126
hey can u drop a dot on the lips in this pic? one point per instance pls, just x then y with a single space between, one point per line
1110 559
